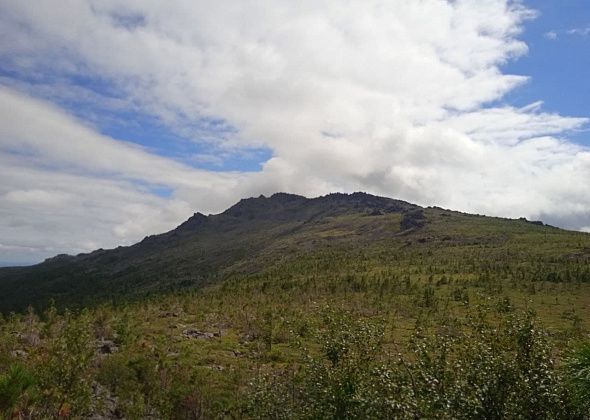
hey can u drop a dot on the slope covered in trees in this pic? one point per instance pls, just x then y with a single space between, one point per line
346 306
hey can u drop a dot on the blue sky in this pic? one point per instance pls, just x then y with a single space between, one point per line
120 119
558 61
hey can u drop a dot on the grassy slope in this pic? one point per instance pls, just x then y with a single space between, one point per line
269 306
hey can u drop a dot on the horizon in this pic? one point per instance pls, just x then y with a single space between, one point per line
477 107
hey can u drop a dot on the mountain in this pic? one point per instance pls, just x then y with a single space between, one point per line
258 233
342 306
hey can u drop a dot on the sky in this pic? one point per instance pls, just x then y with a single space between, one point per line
121 118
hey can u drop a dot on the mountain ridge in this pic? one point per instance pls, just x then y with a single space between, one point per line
204 250
286 202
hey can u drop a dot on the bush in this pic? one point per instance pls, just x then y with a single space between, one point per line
577 367
482 371
16 388
65 376
327 385
486 372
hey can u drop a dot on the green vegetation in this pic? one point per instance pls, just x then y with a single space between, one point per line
480 370
358 314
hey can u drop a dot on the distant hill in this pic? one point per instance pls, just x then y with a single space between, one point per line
258 232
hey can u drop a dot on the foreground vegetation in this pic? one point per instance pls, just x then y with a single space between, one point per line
437 315
439 349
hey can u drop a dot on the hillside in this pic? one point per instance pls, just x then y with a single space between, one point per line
258 233
202 250
343 306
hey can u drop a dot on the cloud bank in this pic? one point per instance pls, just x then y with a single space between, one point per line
396 98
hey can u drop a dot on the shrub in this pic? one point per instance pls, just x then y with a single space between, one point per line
577 368
327 385
64 378
480 371
16 389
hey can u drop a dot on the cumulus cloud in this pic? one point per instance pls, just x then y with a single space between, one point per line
396 98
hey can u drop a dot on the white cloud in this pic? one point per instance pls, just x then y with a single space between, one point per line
551 35
580 31
37 128
390 97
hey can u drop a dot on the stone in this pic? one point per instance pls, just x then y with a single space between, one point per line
194 333
106 347
19 353
169 315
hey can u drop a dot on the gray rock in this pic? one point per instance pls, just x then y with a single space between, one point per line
32 338
105 405
202 335
169 315
21 354
106 347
